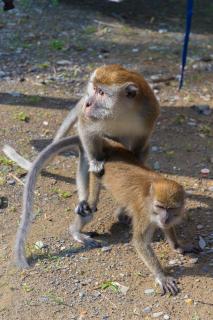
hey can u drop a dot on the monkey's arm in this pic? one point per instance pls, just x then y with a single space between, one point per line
69 121
142 242
93 145
176 245
94 191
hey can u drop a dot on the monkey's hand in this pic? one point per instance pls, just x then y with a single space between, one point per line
188 248
97 167
83 209
167 285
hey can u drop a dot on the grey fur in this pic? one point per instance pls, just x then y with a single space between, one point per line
45 156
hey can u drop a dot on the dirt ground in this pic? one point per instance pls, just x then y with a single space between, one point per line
47 51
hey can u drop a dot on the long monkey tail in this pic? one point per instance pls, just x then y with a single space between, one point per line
42 159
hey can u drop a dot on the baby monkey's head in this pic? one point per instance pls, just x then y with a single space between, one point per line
168 202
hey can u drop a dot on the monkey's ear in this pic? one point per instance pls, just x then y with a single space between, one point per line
131 90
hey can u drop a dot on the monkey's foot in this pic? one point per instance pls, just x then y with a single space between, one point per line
83 209
168 285
86 240
188 248
97 167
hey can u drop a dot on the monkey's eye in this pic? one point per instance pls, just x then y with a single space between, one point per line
100 92
160 207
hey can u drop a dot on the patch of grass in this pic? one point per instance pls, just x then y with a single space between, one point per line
22 116
33 99
62 194
26 287
6 162
110 284
54 298
56 44
205 129
90 29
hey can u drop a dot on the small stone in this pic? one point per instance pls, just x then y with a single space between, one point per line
2 74
202 242
15 94
203 109
149 292
157 165
45 123
210 188
157 314
155 149
193 260
63 62
11 182
173 262
44 299
163 30
106 248
205 172
135 50
81 295
189 301
166 317
147 310
39 245
199 226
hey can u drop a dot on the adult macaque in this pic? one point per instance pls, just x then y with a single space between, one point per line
118 103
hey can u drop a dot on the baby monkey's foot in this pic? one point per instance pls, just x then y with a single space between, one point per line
97 167
168 285
188 248
83 209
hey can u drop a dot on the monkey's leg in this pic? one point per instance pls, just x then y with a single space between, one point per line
85 213
82 181
77 226
175 245
142 241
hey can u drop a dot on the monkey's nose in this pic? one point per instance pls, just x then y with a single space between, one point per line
89 103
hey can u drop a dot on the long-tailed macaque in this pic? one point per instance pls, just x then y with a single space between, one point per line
151 200
118 103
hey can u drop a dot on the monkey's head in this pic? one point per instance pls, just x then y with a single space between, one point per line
114 92
168 202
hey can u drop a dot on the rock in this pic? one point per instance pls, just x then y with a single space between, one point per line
45 123
135 50
39 245
205 172
11 182
163 30
149 292
2 74
147 310
157 314
203 109
81 295
157 165
202 242
155 149
193 260
166 317
15 93
199 226
106 248
189 301
63 62
173 262
210 188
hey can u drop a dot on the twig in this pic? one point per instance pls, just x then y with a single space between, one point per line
16 178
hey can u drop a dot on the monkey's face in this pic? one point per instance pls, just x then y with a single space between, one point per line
166 216
105 102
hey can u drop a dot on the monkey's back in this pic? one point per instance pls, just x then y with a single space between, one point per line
127 180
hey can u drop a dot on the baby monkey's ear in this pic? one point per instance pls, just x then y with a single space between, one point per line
131 90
